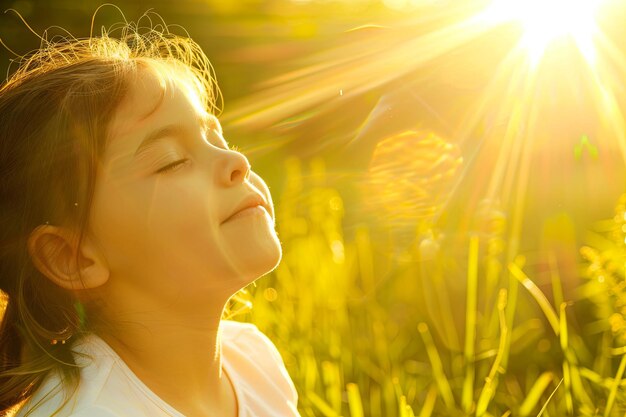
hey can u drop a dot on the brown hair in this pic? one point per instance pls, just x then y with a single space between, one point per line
54 113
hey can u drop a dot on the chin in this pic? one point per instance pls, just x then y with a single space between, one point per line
256 259
266 259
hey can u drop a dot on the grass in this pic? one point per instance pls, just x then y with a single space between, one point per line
367 328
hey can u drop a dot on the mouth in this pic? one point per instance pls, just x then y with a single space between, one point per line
252 205
250 211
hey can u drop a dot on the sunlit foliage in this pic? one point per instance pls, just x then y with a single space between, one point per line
445 328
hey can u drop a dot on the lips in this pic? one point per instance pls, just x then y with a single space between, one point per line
251 201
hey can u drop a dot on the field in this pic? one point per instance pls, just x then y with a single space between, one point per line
439 327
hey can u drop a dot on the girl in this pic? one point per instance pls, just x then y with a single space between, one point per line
126 224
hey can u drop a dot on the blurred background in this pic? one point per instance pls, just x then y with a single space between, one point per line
448 179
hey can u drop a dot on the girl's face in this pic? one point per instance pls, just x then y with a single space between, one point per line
167 192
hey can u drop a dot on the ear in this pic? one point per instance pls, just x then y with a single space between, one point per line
53 250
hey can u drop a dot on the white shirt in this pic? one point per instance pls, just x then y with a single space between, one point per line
108 388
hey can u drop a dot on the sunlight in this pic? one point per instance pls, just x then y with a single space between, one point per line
546 21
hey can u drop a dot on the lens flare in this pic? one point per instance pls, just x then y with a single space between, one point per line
546 21
410 177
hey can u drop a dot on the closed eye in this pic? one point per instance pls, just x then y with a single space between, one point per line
173 166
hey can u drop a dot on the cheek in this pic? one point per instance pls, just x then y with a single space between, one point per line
153 229
116 221
183 222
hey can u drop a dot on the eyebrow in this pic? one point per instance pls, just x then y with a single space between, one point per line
206 120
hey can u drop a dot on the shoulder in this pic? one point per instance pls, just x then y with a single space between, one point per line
256 357
56 401
248 337
100 379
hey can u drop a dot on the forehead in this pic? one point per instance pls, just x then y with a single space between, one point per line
153 98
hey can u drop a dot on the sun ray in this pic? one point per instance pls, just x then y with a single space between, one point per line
363 71
524 62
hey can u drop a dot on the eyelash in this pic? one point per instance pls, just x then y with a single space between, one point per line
172 166
176 164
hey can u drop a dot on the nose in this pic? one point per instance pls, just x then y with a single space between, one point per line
233 168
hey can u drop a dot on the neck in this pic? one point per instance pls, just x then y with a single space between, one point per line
178 356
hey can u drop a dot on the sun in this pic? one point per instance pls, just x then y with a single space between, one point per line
545 21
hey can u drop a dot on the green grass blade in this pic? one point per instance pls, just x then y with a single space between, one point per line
332 380
354 400
549 398
563 334
535 393
429 402
555 278
511 310
403 410
541 299
435 361
567 364
491 381
567 382
470 325
616 381
321 405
